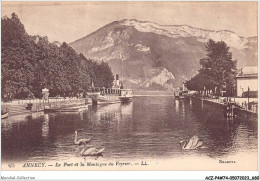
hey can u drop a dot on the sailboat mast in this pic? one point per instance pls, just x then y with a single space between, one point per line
121 77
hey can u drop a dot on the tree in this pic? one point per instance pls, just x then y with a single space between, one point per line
17 67
31 63
217 69
103 75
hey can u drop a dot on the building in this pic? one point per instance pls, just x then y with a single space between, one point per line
247 77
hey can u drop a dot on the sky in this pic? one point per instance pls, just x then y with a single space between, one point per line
69 21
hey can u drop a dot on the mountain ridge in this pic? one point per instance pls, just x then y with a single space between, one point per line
143 46
182 25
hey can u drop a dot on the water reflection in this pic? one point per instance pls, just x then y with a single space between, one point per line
45 126
177 106
183 110
147 127
81 115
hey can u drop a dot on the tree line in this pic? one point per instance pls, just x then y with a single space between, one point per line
31 63
217 72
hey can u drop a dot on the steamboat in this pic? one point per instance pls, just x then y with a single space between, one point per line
116 94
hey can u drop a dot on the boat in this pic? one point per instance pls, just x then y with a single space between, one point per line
4 115
178 95
104 95
110 95
126 95
116 94
65 109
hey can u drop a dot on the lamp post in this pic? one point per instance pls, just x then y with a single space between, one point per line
234 92
248 97
227 91
45 93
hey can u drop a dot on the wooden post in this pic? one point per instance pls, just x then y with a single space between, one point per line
232 111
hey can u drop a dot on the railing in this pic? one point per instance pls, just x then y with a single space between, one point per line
106 90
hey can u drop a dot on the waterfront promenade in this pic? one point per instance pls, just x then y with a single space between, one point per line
241 102
244 110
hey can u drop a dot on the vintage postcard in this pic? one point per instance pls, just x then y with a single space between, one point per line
136 86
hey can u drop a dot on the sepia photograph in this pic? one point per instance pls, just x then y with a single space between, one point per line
129 86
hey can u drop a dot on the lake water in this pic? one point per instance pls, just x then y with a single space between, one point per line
146 128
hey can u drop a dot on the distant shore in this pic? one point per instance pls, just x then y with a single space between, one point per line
152 93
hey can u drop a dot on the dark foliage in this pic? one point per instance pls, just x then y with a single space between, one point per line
31 63
217 70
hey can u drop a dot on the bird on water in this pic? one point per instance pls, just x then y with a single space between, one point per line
80 141
89 150
191 144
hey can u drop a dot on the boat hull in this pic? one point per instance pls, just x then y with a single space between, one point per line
66 109
106 100
125 99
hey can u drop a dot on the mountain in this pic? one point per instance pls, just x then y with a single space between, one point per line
153 56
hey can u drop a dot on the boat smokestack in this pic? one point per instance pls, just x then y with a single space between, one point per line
92 83
117 80
183 86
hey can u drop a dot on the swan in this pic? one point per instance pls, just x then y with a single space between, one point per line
193 143
89 150
81 141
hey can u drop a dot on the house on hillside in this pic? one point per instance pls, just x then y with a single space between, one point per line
247 77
